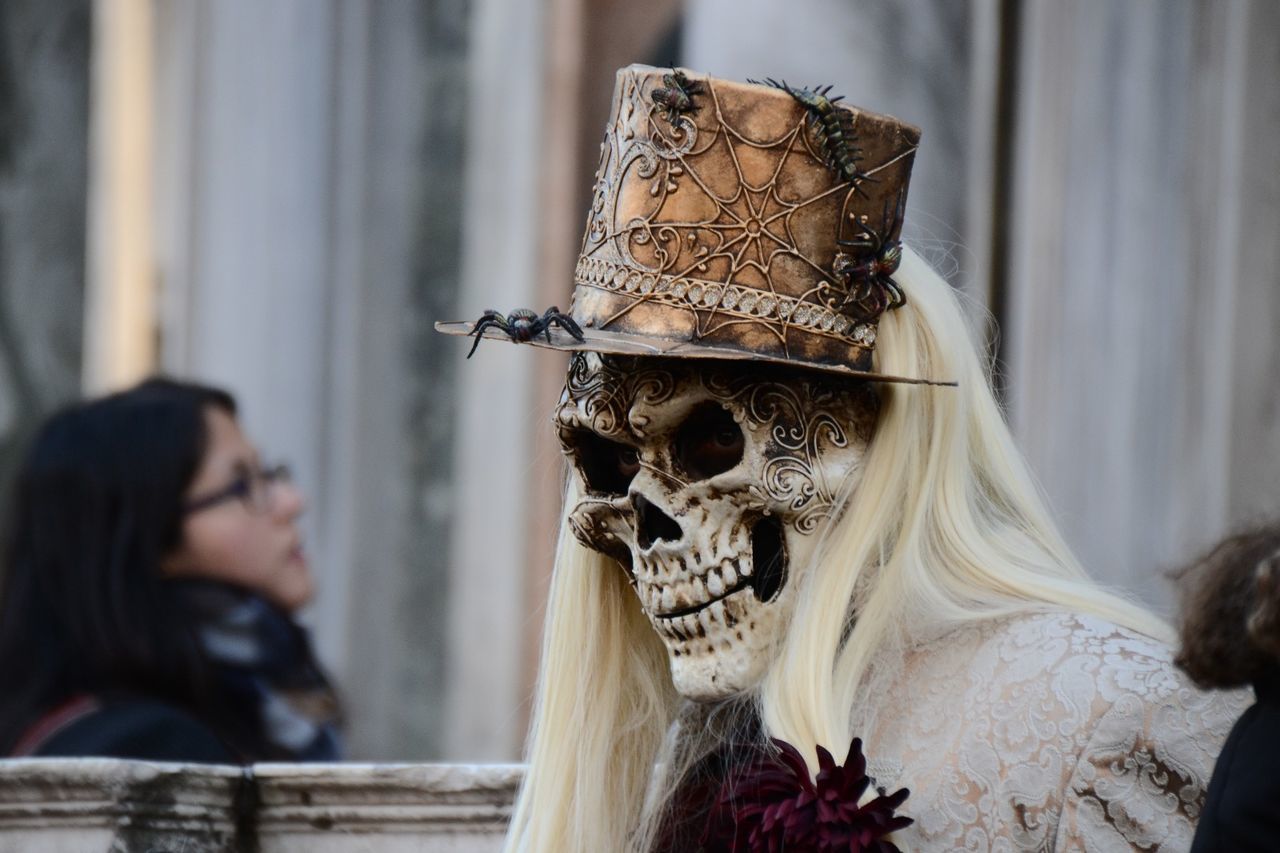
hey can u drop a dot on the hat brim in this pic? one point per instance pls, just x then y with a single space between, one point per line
613 343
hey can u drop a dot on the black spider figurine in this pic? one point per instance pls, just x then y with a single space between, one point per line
677 96
523 325
869 288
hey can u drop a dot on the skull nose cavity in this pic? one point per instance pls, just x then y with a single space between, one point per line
653 525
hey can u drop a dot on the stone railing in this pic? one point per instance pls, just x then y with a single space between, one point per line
112 806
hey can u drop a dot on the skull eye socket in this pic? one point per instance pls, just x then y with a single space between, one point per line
709 442
607 466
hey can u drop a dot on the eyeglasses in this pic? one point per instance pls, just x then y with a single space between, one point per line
251 486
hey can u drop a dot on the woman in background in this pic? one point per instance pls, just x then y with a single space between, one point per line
1231 638
153 566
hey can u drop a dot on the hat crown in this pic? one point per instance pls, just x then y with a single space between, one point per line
740 217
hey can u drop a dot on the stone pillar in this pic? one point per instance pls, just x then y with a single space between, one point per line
389 454
1144 275
309 215
497 412
1250 237
120 322
44 132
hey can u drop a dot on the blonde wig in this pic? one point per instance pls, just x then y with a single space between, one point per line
942 526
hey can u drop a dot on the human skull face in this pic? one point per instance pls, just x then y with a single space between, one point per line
707 482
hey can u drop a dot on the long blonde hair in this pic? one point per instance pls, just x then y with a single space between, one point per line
943 526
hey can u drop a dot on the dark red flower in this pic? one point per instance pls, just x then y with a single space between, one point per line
772 805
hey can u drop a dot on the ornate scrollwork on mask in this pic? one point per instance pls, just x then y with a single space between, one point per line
601 393
804 416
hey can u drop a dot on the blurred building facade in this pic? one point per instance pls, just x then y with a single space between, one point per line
283 196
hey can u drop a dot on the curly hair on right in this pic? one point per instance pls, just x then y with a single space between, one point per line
1230 625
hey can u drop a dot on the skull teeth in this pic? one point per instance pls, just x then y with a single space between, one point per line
705 621
730 576
716 611
711 620
672 599
696 626
688 627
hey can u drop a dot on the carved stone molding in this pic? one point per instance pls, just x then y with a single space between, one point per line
66 805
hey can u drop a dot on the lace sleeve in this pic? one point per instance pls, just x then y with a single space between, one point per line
1140 782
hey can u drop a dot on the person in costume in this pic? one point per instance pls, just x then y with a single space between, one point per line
806 593
1230 639
152 570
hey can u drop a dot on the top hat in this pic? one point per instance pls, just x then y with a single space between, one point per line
734 221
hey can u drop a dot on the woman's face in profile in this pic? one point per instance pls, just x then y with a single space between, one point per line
241 526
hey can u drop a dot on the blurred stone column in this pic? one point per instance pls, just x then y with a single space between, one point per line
309 180
1245 251
120 322
44 132
398 179
497 415
1143 292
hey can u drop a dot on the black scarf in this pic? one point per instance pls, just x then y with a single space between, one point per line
277 702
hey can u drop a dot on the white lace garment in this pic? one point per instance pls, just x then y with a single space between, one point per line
1048 732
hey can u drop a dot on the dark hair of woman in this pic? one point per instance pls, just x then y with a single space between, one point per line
1221 595
85 608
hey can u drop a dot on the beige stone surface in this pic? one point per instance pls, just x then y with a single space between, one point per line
80 805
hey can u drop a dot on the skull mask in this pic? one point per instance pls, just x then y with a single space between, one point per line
707 482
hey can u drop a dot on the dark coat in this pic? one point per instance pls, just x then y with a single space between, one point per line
130 728
1242 809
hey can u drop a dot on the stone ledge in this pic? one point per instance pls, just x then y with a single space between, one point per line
121 806
386 797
